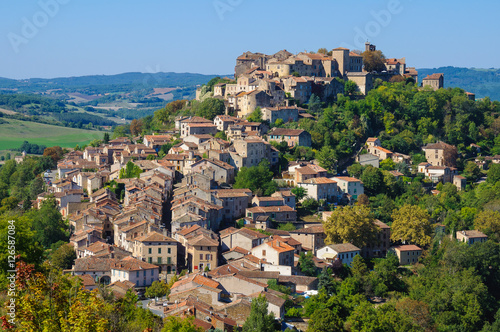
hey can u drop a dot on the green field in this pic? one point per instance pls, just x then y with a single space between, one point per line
13 133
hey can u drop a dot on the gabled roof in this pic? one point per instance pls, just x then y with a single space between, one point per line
154 237
408 247
132 264
435 76
280 246
343 247
471 234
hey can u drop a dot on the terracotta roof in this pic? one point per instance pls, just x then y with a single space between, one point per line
473 234
259 274
437 146
203 240
297 280
280 246
154 237
286 132
310 230
435 76
132 264
240 250
382 149
381 224
270 209
346 178
204 325
320 180
343 247
371 139
407 247
196 119
87 280
186 231
89 264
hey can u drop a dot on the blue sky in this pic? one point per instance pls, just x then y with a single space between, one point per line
88 37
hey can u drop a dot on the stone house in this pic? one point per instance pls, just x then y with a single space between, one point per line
435 81
380 246
343 252
460 182
440 154
471 236
287 114
278 213
158 249
275 252
349 186
244 238
407 254
293 137
312 238
219 171
134 270
320 188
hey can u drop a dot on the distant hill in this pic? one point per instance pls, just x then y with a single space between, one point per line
130 80
482 82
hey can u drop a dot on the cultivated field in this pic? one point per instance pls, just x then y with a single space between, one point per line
13 133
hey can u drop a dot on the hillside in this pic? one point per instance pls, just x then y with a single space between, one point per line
14 132
482 82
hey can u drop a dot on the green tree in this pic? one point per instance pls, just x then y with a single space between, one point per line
412 224
373 181
306 264
130 171
350 88
157 289
259 319
355 170
493 173
47 223
222 135
63 257
177 324
299 192
388 164
105 138
488 221
326 281
255 116
327 159
472 171
314 104
287 227
259 179
351 224
210 108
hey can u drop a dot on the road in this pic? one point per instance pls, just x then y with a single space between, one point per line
144 304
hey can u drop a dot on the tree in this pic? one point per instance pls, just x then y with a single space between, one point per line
105 138
259 319
493 173
350 88
472 171
222 135
327 159
48 224
259 179
411 223
130 171
286 227
95 143
299 192
488 221
210 108
136 127
373 181
355 170
255 116
351 224
54 152
326 281
373 61
314 104
387 164
63 257
306 264
157 289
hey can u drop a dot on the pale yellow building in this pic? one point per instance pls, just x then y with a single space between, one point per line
157 249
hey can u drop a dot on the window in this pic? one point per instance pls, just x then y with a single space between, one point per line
153 272
207 257
159 260
201 256
168 250
263 252
159 250
144 273
169 260
150 260
137 274
150 251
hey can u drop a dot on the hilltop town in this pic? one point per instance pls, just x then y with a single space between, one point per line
255 201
